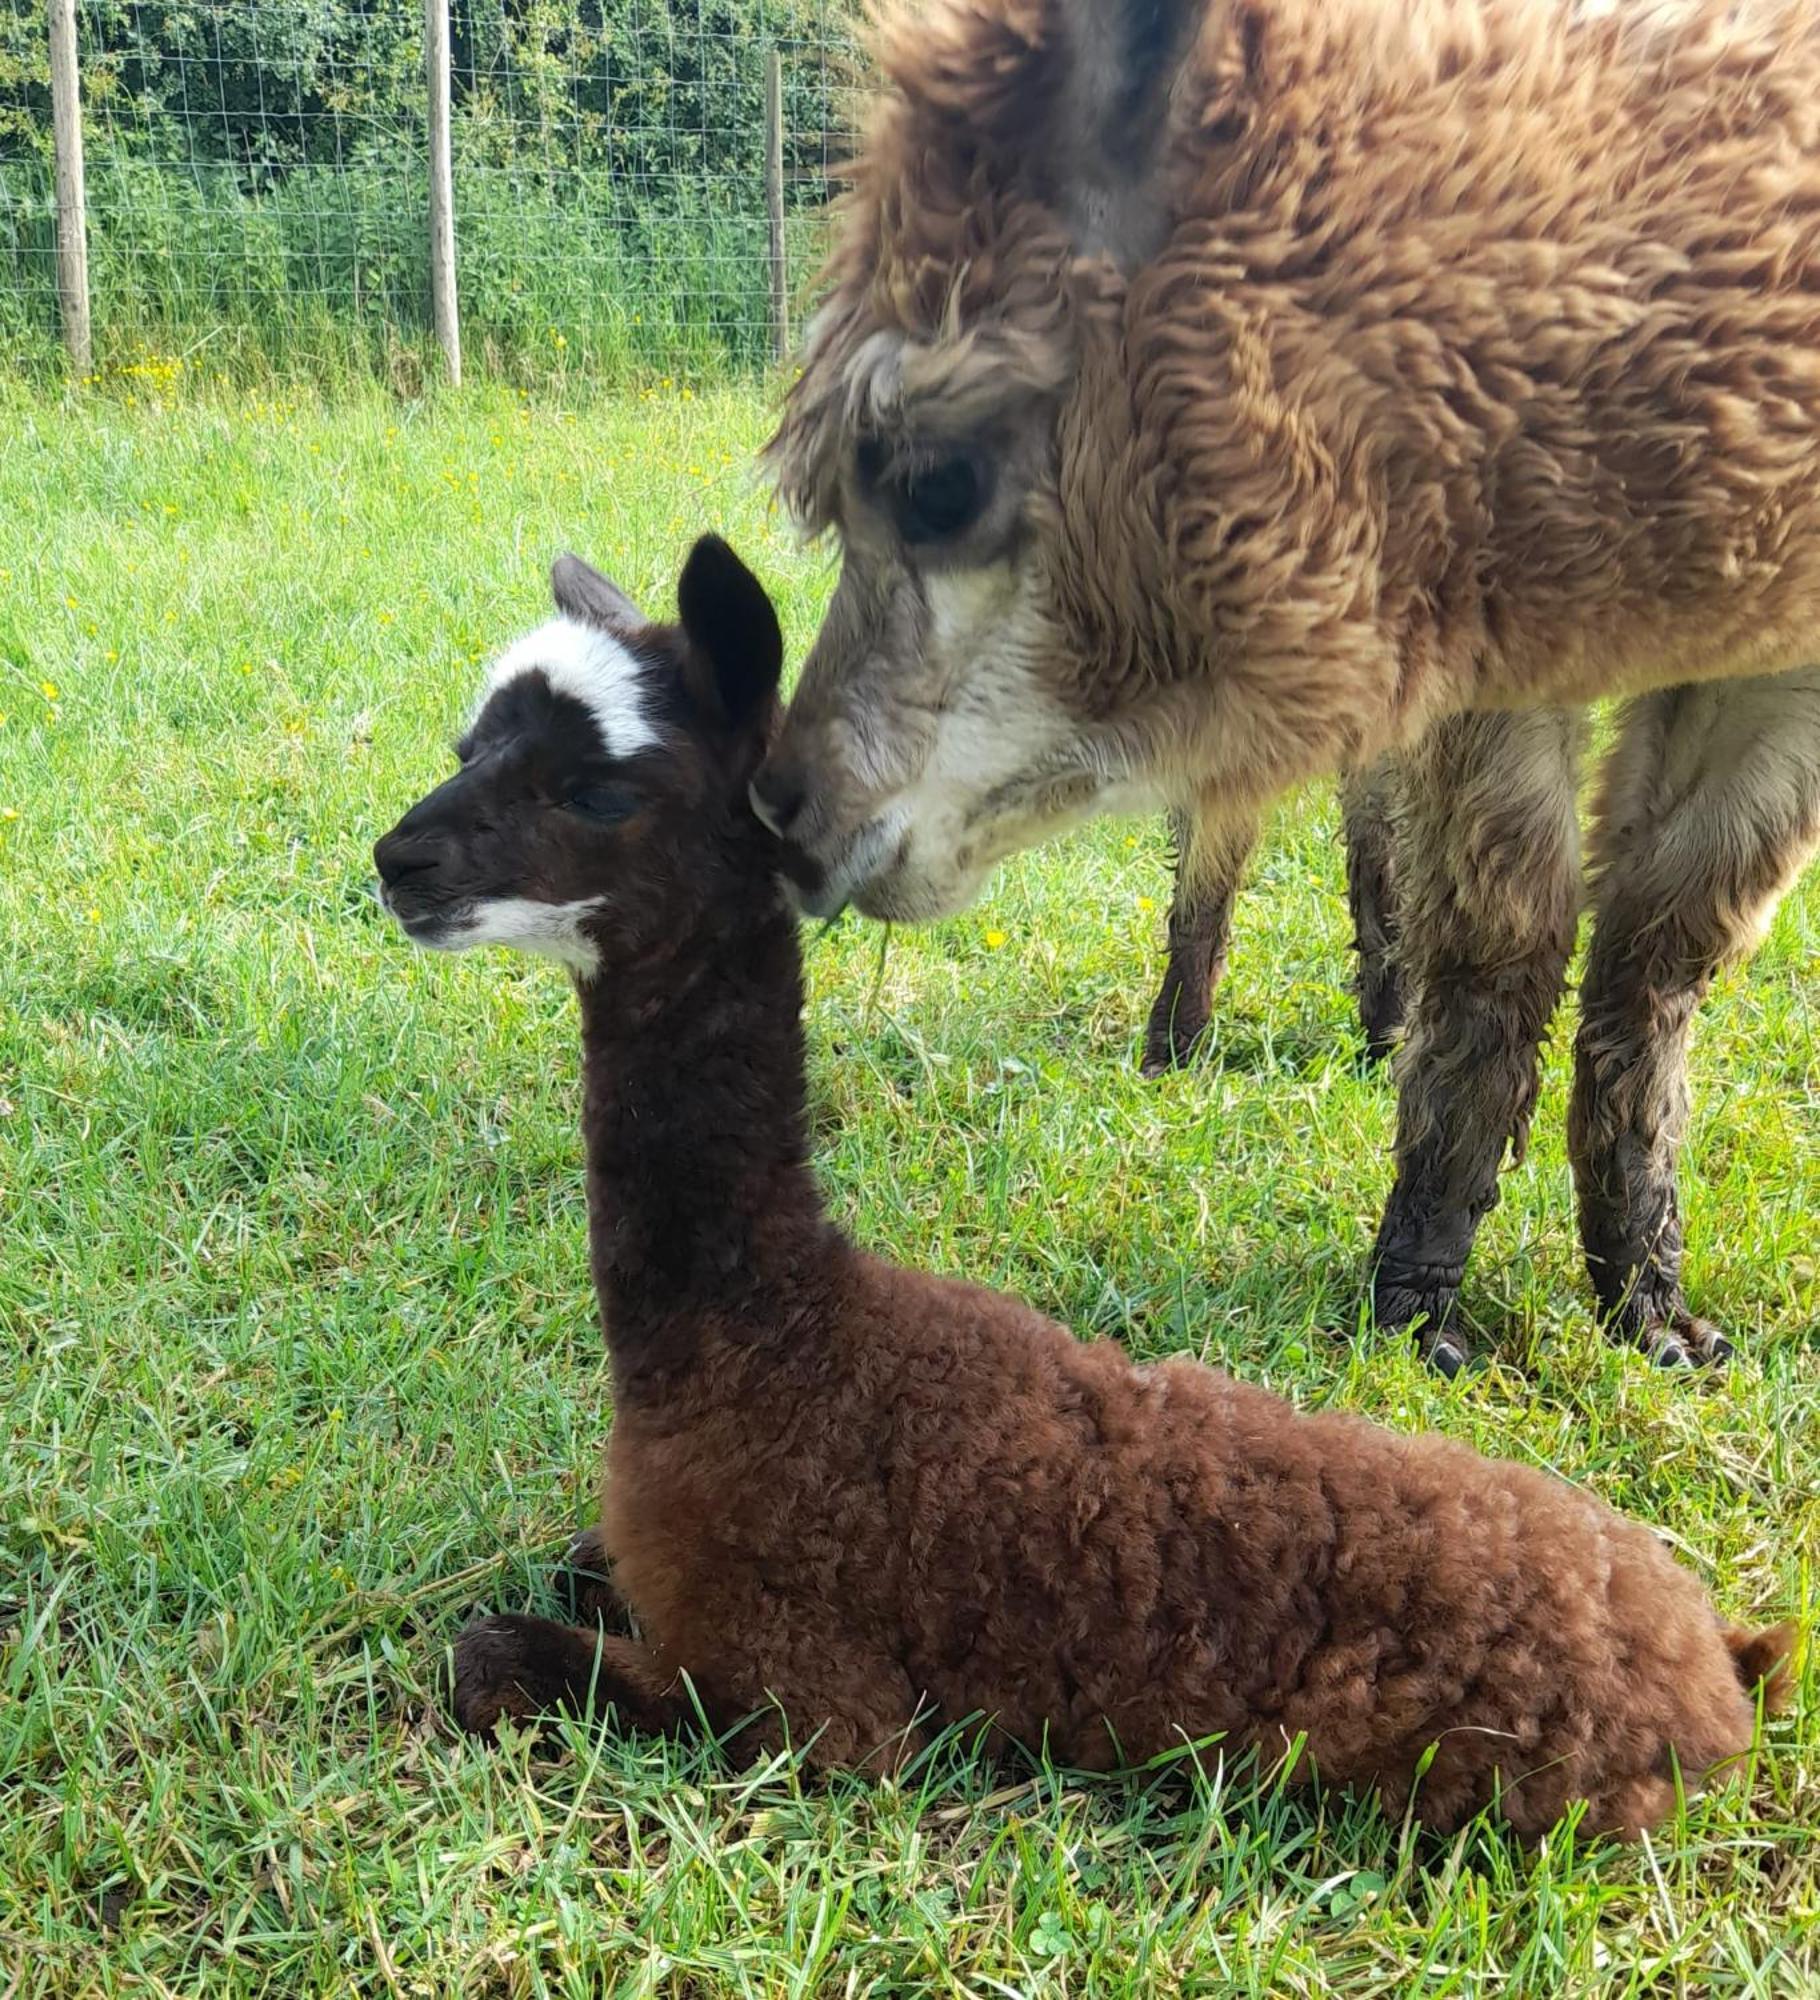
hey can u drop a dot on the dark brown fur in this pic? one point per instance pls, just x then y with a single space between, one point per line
1210 863
859 1500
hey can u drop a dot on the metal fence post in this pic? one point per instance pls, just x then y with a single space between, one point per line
774 204
72 205
443 303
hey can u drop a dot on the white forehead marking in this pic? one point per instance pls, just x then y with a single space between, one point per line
552 930
591 667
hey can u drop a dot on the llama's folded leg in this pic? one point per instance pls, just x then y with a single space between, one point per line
1366 822
583 1583
525 1667
837 1701
1708 808
1488 890
1208 867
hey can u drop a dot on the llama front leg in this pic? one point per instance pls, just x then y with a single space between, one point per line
1366 819
584 1586
1208 867
525 1667
1709 806
1488 880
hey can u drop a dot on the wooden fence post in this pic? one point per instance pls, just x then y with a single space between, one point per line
774 204
72 203
444 305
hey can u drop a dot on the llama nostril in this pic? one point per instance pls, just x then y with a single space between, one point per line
779 793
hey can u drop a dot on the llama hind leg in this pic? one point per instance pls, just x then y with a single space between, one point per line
1367 824
1488 884
1709 806
525 1667
1207 872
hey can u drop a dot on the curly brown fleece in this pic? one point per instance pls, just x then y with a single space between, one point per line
879 1499
1321 380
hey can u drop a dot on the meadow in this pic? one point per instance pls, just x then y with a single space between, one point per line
299 1363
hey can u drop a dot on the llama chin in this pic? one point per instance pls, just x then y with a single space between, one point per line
549 930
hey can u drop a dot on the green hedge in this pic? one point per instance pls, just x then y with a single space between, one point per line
257 182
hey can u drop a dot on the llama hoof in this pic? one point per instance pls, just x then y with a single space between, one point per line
1425 1311
1679 1340
1174 1035
583 1585
1165 1060
1445 1352
500 1667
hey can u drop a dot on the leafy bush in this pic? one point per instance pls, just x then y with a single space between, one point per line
257 173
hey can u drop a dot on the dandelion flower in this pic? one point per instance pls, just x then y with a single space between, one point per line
49 690
1146 904
994 939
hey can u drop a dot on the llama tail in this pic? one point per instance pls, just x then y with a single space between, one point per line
1763 1660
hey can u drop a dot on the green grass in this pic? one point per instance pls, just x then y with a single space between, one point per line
298 1359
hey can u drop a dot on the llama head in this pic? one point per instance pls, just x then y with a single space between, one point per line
962 425
603 776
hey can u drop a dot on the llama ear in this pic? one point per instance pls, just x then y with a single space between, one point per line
1123 59
733 629
582 592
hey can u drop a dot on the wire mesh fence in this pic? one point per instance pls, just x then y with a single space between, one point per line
257 174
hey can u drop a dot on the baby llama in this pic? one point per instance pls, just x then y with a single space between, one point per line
852 1501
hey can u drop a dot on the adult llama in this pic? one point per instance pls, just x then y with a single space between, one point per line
1212 394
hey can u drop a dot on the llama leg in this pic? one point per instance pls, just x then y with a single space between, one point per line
583 1583
840 1706
525 1667
799 1681
1708 807
1207 871
1366 819
1488 886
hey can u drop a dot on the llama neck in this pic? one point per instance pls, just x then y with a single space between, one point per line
705 1223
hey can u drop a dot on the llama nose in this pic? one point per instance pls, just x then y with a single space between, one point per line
779 793
395 859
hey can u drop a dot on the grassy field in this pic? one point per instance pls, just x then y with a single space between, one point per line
299 1366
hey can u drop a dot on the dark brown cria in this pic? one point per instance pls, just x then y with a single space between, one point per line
854 1501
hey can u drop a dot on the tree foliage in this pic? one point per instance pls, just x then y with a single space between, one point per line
655 91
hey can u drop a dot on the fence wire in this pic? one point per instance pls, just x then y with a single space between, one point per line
257 173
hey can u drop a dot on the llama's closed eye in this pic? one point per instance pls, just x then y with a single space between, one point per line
606 804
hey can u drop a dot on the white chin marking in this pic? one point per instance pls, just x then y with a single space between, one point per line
551 930
589 666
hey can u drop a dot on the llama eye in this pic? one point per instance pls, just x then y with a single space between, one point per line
942 501
605 804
